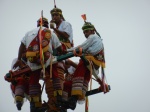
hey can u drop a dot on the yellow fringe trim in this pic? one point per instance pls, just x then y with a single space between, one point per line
97 62
18 98
67 44
59 92
76 92
32 54
34 99
38 104
87 105
81 97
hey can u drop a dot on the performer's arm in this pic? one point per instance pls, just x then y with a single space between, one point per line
59 49
66 30
21 51
84 45
61 33
68 61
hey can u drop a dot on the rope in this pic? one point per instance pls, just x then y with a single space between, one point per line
43 87
104 81
40 44
90 74
87 104
87 100
51 67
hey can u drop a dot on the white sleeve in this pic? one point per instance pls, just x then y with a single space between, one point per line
24 39
84 45
87 43
67 28
55 41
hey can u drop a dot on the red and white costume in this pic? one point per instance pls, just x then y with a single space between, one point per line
93 47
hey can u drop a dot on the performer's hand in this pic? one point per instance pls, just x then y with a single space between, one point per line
52 21
104 88
52 24
101 84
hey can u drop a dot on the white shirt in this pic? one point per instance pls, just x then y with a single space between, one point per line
29 36
66 27
92 45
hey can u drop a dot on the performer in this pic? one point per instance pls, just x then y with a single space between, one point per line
19 87
31 43
63 30
94 52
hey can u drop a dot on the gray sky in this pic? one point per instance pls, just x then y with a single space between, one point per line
125 28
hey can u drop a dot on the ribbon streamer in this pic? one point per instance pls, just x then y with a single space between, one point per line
40 44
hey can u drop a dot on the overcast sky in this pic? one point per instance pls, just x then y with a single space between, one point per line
124 26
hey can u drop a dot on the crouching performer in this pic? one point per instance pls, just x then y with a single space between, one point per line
94 54
19 85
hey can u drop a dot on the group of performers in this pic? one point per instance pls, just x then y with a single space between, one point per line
66 82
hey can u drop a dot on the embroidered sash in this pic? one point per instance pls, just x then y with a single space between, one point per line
32 53
98 60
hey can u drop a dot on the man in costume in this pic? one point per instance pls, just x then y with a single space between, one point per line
19 86
94 53
40 38
63 30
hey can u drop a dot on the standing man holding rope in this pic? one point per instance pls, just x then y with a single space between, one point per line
65 34
63 30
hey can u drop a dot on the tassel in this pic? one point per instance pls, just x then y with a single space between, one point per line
51 59
87 105
40 44
87 101
91 75
84 17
